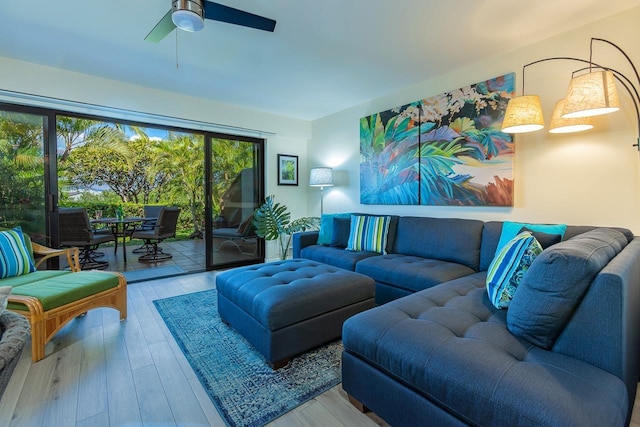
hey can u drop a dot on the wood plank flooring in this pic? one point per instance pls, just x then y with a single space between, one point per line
101 372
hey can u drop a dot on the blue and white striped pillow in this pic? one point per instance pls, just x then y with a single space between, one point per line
369 233
15 259
509 266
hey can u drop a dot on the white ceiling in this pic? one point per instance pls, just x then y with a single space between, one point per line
324 56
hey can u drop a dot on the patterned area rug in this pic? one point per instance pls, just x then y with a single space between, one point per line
246 391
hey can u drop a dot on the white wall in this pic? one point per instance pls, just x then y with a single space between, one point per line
284 135
584 178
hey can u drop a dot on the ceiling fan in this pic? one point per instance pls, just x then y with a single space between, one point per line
189 15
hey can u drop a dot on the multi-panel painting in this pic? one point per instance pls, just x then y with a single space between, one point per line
443 150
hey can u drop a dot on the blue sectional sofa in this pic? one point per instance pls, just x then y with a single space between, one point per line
437 352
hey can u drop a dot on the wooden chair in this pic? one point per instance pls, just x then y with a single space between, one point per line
95 289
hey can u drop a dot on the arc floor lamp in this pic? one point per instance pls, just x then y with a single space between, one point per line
592 91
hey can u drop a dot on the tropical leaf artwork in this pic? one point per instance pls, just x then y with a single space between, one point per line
443 150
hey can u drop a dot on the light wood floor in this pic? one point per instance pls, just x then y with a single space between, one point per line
103 372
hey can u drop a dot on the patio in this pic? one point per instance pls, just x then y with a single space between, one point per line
188 257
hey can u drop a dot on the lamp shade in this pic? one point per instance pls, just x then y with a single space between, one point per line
591 94
561 125
321 177
524 114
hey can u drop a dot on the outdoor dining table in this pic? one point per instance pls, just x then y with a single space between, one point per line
120 227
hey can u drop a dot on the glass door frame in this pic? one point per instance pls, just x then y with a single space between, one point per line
208 208
49 151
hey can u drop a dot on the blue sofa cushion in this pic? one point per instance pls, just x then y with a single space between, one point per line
325 235
449 344
15 257
446 239
511 229
341 228
369 233
556 282
337 257
411 273
509 267
545 239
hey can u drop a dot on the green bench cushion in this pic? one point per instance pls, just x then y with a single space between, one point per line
60 290
32 277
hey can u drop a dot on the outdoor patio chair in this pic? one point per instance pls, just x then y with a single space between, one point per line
164 229
151 213
236 236
75 230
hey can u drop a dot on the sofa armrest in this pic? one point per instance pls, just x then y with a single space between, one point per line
302 240
43 253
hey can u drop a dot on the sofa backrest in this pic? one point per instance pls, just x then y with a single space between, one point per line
446 239
603 330
493 229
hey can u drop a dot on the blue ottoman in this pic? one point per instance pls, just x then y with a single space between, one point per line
285 308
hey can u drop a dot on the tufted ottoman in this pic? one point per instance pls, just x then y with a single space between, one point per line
285 308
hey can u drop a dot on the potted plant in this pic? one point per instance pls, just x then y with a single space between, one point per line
273 221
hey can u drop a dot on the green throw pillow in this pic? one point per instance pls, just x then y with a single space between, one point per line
369 233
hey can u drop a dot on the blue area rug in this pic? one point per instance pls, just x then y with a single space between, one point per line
151 273
246 391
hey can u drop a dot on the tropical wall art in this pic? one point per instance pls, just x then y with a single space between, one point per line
443 150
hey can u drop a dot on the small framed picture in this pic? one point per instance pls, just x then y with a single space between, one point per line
287 169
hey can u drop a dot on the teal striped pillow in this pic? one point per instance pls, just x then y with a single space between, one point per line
15 259
369 233
509 267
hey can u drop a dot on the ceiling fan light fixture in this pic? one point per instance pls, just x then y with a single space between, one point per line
188 15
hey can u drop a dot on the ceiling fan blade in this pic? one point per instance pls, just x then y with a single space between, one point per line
222 13
162 28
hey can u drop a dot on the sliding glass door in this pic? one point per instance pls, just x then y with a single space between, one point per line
51 159
235 190
22 173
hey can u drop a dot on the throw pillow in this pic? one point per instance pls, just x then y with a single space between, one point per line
557 281
509 267
369 233
545 239
15 257
341 231
511 229
326 227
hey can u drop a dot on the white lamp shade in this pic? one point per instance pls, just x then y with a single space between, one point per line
524 114
321 177
562 125
591 94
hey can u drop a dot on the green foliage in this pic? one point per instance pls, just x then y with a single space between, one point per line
22 173
273 221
